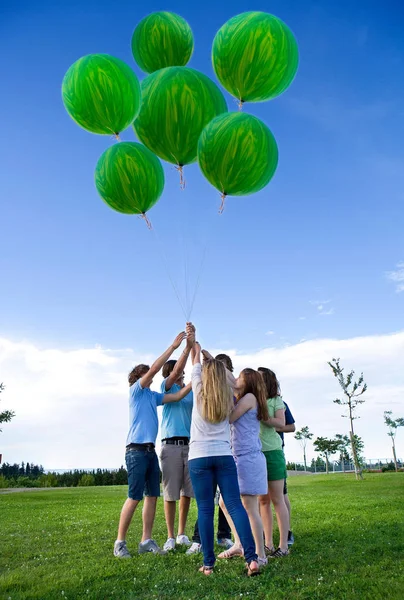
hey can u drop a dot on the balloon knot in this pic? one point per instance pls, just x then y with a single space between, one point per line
180 169
223 198
116 136
144 217
240 105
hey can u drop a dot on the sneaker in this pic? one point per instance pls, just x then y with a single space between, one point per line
262 562
169 545
278 553
183 540
150 546
225 543
291 538
194 549
120 550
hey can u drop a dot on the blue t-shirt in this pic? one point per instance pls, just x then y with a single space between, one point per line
176 415
289 420
143 421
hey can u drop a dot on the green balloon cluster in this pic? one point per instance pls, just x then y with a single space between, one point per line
237 154
178 103
162 39
178 113
255 56
129 178
101 93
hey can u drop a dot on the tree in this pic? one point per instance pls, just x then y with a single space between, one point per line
6 415
343 444
326 447
353 391
303 436
393 425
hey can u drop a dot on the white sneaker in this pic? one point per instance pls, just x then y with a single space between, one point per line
150 546
183 540
194 549
169 545
225 543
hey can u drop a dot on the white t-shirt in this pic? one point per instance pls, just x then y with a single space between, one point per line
207 439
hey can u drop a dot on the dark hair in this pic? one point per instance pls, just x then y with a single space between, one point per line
137 373
254 384
226 360
271 382
168 368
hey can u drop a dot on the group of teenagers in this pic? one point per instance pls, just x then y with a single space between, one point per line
218 431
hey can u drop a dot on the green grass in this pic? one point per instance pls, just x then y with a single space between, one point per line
349 544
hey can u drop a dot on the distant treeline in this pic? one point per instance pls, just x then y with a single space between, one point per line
30 475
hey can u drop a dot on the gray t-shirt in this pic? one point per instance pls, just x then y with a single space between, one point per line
207 439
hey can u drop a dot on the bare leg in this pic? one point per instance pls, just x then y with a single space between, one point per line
282 516
185 502
169 511
267 521
237 541
148 515
251 505
127 511
286 497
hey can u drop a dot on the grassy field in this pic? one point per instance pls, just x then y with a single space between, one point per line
349 544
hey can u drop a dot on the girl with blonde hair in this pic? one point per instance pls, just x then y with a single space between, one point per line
211 463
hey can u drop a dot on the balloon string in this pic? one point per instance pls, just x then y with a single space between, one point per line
148 223
117 137
223 198
182 178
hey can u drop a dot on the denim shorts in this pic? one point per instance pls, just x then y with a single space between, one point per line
143 474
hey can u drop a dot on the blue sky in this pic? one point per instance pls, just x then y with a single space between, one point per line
328 226
306 258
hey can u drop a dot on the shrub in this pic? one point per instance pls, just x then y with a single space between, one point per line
86 480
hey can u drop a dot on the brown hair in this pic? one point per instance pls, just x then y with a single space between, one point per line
216 400
271 382
226 360
253 383
137 373
168 368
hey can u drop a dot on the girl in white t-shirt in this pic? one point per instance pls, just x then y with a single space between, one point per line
211 463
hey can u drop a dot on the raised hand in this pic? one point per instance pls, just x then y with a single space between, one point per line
178 340
190 330
206 355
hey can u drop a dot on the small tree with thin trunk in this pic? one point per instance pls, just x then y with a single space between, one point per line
393 425
326 447
302 437
343 444
353 391
6 415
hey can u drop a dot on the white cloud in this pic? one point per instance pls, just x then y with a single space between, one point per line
397 277
270 333
320 305
71 405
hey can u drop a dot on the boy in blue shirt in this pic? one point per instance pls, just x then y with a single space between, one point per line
141 459
175 434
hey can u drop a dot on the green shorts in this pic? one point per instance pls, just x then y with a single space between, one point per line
276 465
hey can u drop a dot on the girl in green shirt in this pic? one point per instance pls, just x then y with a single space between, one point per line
276 467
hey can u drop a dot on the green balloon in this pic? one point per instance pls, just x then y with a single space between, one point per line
163 39
129 178
177 104
255 56
101 93
237 154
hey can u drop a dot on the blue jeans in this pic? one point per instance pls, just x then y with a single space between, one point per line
206 474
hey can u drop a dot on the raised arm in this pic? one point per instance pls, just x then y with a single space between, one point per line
182 361
277 421
196 353
245 404
146 380
178 395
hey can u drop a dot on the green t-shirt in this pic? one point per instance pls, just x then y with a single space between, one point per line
269 437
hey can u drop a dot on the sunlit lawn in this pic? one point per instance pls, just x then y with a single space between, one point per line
349 544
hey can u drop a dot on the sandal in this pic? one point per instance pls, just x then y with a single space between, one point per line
253 568
232 552
268 550
206 570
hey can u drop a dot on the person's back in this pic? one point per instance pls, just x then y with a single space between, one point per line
245 433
